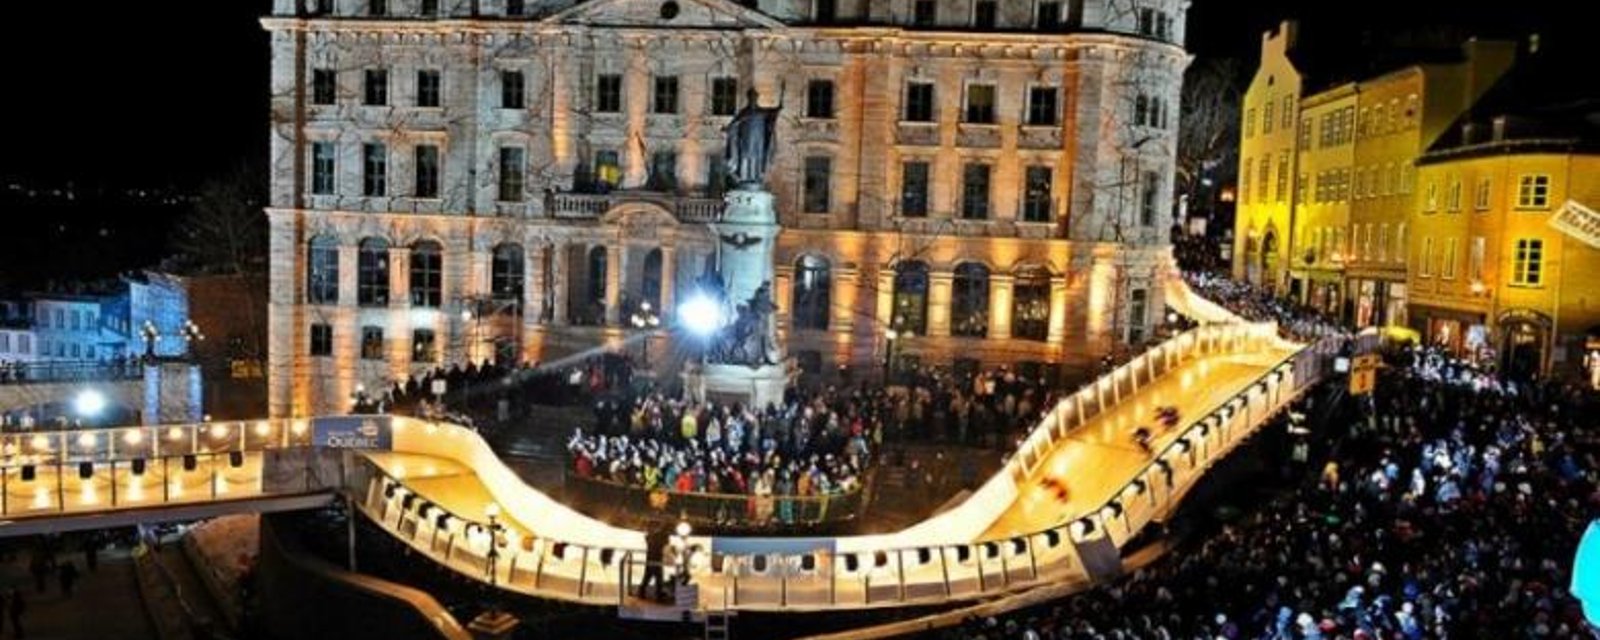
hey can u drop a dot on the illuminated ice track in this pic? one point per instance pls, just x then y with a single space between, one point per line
1073 493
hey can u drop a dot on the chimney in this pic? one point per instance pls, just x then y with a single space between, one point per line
1469 133
1499 128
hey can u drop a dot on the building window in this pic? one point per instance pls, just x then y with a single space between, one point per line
1249 122
375 91
372 273
1244 183
322 271
1266 174
322 168
1048 16
324 86
511 90
429 8
663 170
424 348
924 13
321 339
1425 259
1481 197
1288 112
1305 134
984 14
1149 205
819 99
826 11
1430 197
377 8
506 275
608 94
1043 106
1448 269
1138 314
1030 305
608 168
1149 111
1475 262
322 7
1282 189
515 8
969 301
975 191
666 95
819 172
427 166
1454 197
1383 242
1533 191
980 104
374 170
428 85
1266 116
372 343
511 175
427 275
813 291
914 189
911 297
1528 266
1037 196
919 102
724 96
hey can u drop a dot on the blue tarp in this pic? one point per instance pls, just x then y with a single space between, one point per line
1586 573
753 546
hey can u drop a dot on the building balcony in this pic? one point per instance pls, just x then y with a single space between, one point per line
819 130
1042 138
918 134
978 136
591 206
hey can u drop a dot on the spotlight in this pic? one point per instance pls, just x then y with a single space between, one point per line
701 315
89 403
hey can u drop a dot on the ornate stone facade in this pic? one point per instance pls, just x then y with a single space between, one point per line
455 180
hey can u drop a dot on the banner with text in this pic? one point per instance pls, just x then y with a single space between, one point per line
352 432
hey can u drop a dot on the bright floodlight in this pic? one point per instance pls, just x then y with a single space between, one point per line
700 315
89 403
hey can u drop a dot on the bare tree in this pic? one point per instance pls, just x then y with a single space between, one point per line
224 231
1209 133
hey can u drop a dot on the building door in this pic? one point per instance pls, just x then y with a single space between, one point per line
1524 350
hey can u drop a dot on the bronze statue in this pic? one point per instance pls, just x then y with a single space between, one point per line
751 137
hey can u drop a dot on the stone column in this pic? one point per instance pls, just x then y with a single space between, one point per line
615 258
844 299
1058 310
1001 286
669 283
558 283
398 327
885 310
532 301
783 294
940 287
287 343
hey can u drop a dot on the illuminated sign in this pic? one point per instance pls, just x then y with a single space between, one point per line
352 432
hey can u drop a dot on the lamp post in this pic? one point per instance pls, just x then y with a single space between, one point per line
493 623
150 335
493 556
646 321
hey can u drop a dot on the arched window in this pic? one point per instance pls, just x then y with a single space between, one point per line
911 297
322 272
650 280
594 294
372 273
506 273
1030 305
969 301
813 285
427 275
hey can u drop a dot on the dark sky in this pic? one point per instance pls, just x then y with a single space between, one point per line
161 93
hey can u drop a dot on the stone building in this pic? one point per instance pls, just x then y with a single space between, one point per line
457 180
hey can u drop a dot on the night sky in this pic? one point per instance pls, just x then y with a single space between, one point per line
126 95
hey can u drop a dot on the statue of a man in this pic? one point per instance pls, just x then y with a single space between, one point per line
750 142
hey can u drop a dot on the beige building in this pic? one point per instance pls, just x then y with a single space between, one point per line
457 181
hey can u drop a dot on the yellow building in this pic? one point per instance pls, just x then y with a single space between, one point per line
1266 156
1322 200
1326 179
1506 260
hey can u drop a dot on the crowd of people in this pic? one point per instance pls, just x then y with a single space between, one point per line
1449 506
1258 305
486 392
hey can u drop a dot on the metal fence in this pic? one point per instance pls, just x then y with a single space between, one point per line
36 372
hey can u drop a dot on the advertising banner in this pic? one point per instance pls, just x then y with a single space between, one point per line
352 432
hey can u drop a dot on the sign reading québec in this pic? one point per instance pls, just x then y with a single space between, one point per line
352 432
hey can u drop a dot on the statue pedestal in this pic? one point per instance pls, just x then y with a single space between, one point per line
730 383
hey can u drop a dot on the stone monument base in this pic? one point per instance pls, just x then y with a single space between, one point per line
730 383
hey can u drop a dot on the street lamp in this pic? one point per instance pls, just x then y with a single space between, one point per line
493 511
150 335
645 319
